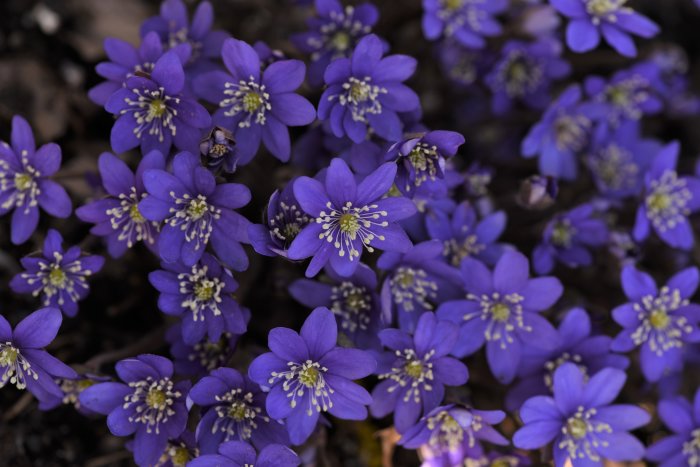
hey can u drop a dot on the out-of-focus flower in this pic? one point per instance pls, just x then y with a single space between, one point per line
71 389
366 91
23 361
561 134
349 217
661 322
538 192
256 105
589 19
24 182
308 374
59 276
568 237
148 404
466 21
668 201
682 447
415 370
117 217
579 419
524 73
334 33
502 310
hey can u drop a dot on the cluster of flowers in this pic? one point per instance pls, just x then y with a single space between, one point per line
444 287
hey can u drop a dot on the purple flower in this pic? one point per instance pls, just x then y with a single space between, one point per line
204 356
202 293
416 281
59 276
611 18
568 237
524 73
149 404
467 21
23 360
155 113
24 182
562 132
415 371
117 217
619 160
683 446
233 409
349 217
580 420
126 61
366 91
239 454
255 107
590 353
284 221
465 237
353 300
308 374
449 433
502 310
195 210
178 452
628 95
662 322
174 29
422 157
668 200
334 33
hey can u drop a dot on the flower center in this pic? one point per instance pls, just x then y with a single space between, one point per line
340 41
500 312
361 98
581 435
667 202
660 327
57 277
351 304
194 216
238 411
180 456
252 102
519 74
135 215
449 433
571 132
411 288
155 398
457 250
425 163
201 292
614 168
576 428
153 112
197 208
604 8
691 448
411 374
504 314
305 380
237 414
551 366
343 228
249 98
452 5
23 181
152 401
14 367
562 233
287 223
659 319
